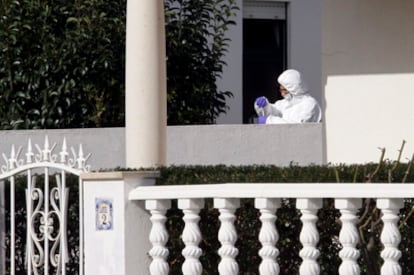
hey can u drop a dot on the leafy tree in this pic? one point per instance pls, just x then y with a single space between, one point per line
196 44
62 63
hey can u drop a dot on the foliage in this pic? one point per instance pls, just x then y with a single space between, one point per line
196 44
61 63
288 217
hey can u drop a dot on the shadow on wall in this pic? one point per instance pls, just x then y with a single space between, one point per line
365 45
367 37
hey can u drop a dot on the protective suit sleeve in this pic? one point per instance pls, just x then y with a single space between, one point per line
274 110
309 111
268 110
276 120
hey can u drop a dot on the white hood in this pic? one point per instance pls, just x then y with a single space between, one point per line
292 81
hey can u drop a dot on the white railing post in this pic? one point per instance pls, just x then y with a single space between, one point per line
390 236
309 236
158 236
191 235
116 229
268 235
348 236
227 236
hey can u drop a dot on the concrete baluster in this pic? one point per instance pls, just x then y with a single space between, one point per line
348 236
390 236
268 236
158 236
191 235
309 235
227 236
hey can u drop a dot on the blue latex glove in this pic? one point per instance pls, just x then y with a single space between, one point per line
261 101
261 120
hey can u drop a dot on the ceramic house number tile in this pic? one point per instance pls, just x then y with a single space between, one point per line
104 214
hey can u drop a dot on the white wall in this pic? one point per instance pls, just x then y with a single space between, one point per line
245 144
368 74
304 45
188 145
232 73
304 48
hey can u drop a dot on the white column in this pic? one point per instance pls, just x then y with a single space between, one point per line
116 229
348 236
145 84
158 236
268 236
309 236
191 235
227 236
390 236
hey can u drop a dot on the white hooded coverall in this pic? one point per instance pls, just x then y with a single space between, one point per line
300 108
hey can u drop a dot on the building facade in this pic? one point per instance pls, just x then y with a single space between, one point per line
358 59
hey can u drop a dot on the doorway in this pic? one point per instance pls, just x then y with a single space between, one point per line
264 58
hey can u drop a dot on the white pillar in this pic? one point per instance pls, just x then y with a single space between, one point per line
191 236
158 236
390 235
268 235
227 236
348 236
145 91
309 235
116 229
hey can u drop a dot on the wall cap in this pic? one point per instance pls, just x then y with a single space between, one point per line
119 175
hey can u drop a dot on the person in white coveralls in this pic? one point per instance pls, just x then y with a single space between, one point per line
297 105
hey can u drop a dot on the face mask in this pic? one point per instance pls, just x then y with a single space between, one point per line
288 97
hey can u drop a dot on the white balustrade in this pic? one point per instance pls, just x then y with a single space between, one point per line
158 236
348 200
348 236
309 236
268 235
227 236
390 236
191 235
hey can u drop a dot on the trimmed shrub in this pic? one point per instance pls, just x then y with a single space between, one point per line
247 217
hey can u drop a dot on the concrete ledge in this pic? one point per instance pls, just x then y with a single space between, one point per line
245 144
191 145
119 175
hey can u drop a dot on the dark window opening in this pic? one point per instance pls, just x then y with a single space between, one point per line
264 58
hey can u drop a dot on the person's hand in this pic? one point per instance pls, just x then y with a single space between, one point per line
261 101
261 120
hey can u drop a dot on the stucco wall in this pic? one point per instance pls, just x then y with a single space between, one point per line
189 145
368 75
245 144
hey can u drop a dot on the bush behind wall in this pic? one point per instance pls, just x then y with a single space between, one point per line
247 221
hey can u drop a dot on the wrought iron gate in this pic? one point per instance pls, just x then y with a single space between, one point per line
46 205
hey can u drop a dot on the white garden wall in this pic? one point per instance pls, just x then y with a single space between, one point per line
193 145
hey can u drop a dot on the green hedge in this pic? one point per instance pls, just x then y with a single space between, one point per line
288 222
248 223
383 172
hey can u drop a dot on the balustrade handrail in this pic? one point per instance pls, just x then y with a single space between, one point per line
348 198
274 190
